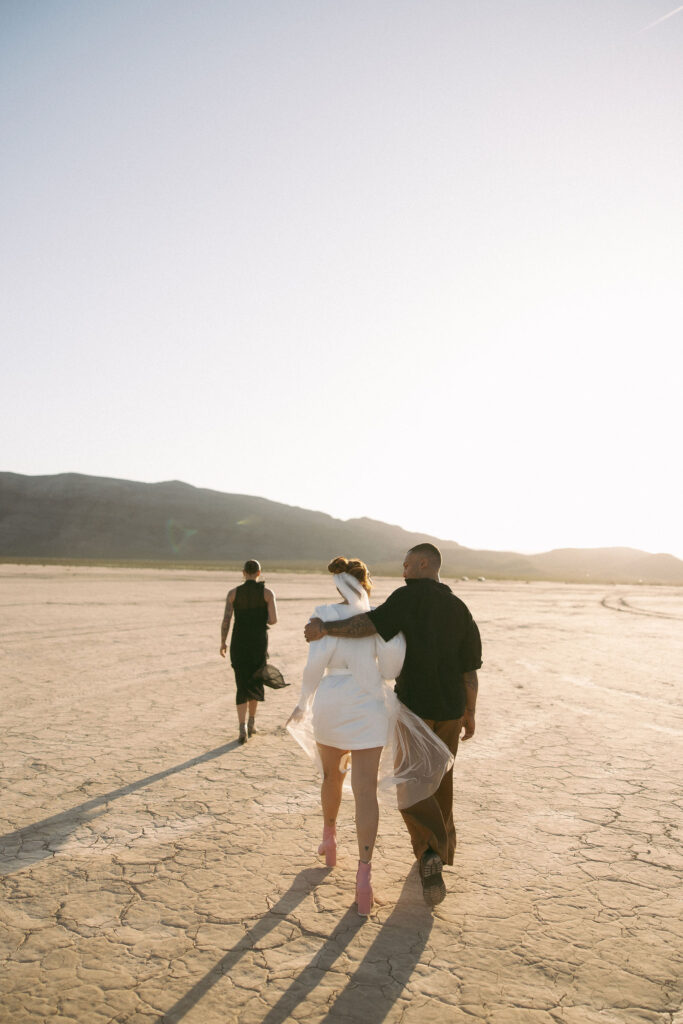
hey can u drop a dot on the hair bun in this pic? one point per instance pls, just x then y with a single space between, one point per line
338 564
355 567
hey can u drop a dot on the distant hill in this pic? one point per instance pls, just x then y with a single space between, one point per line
624 564
72 516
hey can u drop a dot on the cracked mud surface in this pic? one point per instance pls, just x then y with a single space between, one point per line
155 871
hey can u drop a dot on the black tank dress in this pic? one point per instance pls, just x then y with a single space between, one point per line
249 642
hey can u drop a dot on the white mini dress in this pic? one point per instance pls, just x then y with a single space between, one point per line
344 680
344 714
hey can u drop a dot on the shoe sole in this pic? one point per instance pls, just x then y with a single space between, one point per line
433 885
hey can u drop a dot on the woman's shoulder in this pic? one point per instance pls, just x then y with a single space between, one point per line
326 612
397 645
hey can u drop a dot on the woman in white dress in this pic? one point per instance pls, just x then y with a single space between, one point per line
345 708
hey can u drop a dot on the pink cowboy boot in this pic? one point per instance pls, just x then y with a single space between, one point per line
364 888
328 847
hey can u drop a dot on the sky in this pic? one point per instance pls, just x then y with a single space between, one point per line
418 261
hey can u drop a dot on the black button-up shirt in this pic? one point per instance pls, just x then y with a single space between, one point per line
442 643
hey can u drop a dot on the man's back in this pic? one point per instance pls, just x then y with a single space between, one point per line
442 644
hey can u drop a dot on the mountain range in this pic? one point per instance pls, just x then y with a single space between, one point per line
71 516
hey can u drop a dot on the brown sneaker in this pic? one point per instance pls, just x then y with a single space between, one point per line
433 885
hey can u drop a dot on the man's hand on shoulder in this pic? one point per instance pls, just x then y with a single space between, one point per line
467 725
314 630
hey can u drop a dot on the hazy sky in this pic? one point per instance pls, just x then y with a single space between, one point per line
419 261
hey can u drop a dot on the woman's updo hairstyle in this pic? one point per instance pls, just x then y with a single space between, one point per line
354 567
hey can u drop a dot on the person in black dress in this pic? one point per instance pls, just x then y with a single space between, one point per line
254 609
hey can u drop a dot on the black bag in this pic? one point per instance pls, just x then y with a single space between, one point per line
270 676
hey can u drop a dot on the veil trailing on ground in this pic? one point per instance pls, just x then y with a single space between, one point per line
414 759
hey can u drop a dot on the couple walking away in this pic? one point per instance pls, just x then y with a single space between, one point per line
425 638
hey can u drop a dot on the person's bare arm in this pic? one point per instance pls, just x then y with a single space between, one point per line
272 607
225 624
471 690
355 627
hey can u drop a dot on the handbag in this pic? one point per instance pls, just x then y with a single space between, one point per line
270 676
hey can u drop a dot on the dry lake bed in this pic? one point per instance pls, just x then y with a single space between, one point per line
154 870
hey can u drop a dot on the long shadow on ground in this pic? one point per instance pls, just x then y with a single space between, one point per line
52 832
375 985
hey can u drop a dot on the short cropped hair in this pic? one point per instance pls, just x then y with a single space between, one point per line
251 567
428 551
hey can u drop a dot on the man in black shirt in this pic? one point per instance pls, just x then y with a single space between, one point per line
438 682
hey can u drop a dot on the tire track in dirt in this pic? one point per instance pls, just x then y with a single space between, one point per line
619 603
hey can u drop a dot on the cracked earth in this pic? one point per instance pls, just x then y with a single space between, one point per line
155 871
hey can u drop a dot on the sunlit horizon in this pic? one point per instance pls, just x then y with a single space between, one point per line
442 535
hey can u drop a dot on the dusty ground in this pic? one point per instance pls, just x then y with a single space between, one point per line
154 870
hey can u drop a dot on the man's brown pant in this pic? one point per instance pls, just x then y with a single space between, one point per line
430 822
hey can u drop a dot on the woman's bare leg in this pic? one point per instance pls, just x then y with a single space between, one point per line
333 780
364 768
242 710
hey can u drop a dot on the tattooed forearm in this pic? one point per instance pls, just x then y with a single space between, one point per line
355 627
471 689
